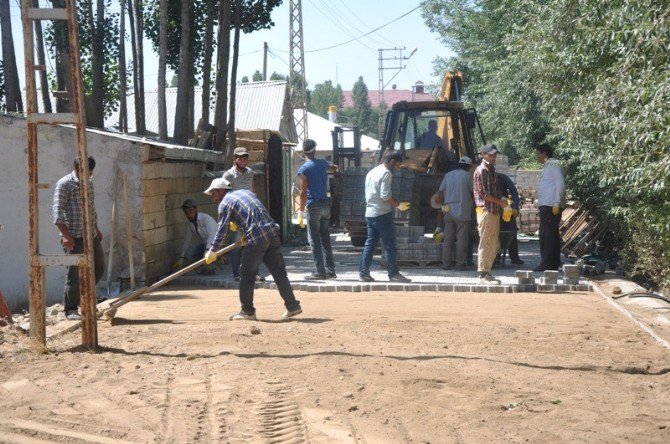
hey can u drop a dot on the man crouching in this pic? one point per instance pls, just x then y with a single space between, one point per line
241 210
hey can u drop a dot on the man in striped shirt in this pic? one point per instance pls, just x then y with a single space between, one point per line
243 211
67 216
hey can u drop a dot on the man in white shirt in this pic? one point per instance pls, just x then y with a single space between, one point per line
204 227
379 217
551 200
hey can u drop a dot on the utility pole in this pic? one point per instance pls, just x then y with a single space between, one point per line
297 74
265 60
398 66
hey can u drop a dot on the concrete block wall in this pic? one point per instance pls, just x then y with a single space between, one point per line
527 183
165 186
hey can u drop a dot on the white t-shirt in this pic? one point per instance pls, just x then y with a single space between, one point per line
378 191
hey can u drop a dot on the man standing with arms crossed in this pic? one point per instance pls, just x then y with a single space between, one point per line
488 208
314 196
379 217
243 209
240 177
551 199
67 216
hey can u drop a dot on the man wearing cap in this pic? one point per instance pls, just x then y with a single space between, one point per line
240 177
243 209
313 175
489 206
455 193
204 227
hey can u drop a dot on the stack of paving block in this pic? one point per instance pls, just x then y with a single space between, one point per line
402 188
570 274
352 205
529 219
525 277
412 248
550 277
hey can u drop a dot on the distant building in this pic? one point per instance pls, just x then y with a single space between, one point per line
392 96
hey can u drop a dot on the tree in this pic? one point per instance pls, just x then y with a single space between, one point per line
181 117
136 41
361 114
257 76
41 60
12 88
245 79
123 78
276 76
325 95
207 62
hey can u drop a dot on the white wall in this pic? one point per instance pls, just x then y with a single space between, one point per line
57 148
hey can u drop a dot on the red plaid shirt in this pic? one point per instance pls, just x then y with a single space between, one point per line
485 184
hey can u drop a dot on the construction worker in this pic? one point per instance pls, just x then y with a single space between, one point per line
455 195
551 199
508 240
241 210
313 176
379 217
204 227
488 208
430 139
67 216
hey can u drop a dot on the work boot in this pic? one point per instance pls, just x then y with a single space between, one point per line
72 315
288 314
331 275
399 278
315 277
242 316
487 279
366 278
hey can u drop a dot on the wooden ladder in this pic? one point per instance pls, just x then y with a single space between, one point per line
75 117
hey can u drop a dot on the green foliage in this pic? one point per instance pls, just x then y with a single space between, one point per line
592 78
276 76
257 76
325 95
361 115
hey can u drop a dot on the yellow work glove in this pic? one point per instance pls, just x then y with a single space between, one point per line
438 236
479 210
507 215
301 220
403 206
177 265
555 210
243 241
233 226
445 208
516 213
210 257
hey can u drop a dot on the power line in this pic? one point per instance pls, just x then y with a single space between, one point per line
341 23
379 42
367 33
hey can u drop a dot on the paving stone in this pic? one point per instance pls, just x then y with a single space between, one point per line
520 274
570 270
570 281
378 287
445 287
496 289
462 288
526 281
583 288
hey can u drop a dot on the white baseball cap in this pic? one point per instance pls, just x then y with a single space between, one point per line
218 184
466 160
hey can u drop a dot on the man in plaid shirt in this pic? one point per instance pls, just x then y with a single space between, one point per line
488 208
241 210
67 216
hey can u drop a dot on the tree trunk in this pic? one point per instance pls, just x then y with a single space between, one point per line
139 62
123 104
232 138
207 63
41 60
95 113
13 102
133 47
162 62
184 76
222 54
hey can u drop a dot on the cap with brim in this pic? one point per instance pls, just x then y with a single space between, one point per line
240 151
465 160
435 201
489 148
218 184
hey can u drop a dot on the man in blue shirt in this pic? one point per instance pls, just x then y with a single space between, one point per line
243 211
314 196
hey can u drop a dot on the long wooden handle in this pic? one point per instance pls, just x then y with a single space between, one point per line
134 295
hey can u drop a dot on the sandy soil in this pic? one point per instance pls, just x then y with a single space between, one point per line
355 367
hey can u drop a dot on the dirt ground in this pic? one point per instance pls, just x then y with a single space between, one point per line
354 367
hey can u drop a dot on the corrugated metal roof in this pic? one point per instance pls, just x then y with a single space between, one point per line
257 105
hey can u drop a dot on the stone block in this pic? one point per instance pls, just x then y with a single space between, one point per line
570 281
378 287
445 287
462 288
571 270
583 288
496 289
523 274
526 281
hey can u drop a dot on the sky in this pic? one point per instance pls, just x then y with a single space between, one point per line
325 24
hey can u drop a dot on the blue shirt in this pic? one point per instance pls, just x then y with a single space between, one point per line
457 189
316 172
250 216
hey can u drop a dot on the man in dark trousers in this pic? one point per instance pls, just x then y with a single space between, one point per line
67 214
551 199
313 175
246 213
508 228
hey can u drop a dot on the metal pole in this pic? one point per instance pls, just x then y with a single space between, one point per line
265 60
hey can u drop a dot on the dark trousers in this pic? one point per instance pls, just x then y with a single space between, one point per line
268 253
550 241
71 291
318 234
